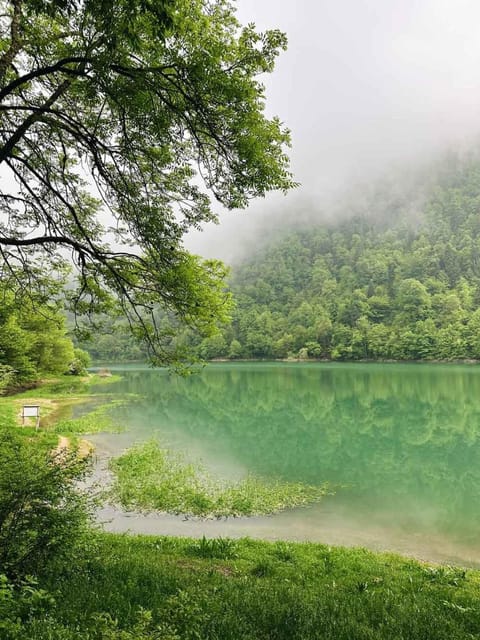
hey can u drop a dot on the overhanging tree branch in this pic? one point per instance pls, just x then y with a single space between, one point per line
60 66
7 149
117 113
15 40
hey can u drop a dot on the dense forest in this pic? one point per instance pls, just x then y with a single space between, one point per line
398 277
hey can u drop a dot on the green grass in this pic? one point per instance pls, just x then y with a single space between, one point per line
65 392
157 588
66 386
46 439
7 415
95 421
148 477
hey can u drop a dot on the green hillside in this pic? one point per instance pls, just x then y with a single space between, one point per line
400 281
393 275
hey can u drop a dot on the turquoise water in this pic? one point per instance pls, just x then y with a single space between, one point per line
400 445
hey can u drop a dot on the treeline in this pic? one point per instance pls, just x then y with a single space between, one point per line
400 279
112 341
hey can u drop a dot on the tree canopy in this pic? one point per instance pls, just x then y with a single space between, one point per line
118 123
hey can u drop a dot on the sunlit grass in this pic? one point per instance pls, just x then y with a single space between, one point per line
151 478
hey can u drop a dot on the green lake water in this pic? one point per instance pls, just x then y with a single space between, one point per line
399 444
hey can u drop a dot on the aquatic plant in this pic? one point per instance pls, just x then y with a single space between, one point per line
148 477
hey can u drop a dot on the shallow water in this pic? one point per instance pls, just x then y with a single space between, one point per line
399 443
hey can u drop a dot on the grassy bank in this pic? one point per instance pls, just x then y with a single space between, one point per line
57 399
139 588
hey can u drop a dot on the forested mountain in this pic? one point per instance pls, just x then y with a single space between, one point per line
397 277
396 285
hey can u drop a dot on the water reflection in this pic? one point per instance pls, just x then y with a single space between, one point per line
402 440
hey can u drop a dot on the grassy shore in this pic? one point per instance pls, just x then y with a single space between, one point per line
123 587
57 399
156 588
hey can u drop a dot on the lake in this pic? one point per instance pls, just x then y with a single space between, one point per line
399 445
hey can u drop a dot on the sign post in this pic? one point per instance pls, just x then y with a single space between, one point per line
31 411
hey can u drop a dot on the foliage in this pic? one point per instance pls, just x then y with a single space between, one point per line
81 361
33 339
148 477
144 100
112 342
7 377
155 588
21 600
377 286
42 513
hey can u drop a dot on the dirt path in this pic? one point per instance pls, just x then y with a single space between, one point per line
85 447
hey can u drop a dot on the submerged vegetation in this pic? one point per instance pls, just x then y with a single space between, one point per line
149 477
399 438
95 420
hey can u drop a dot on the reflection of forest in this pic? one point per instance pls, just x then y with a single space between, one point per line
389 431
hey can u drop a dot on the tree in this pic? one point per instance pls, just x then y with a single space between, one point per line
124 108
33 340
81 361
235 350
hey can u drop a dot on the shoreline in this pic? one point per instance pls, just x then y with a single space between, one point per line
337 529
117 366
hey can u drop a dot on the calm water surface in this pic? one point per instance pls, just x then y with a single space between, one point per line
400 444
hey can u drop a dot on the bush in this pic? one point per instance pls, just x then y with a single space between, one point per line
81 361
7 377
43 514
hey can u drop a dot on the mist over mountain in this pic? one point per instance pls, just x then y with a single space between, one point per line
367 87
393 275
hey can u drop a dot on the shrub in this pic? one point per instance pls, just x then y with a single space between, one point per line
81 361
43 514
7 377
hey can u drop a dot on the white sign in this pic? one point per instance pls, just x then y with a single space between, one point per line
31 411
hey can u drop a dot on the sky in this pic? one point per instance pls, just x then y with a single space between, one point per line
365 85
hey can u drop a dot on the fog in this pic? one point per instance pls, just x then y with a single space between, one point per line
366 85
